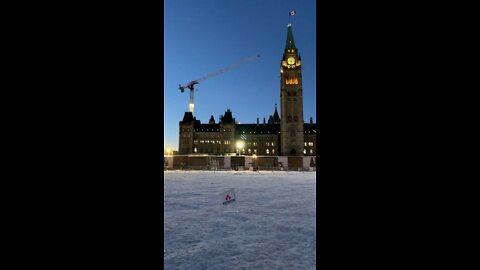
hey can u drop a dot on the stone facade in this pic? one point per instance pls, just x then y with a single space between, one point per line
287 135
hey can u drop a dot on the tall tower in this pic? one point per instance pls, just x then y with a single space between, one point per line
291 100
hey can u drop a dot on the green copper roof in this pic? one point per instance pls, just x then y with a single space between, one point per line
290 41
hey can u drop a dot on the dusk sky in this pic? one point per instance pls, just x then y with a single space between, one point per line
203 36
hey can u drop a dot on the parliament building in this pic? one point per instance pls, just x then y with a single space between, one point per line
282 135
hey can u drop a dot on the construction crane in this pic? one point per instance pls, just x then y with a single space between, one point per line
191 85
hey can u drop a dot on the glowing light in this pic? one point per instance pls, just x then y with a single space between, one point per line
240 144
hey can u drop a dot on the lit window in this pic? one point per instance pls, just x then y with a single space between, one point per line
249 150
255 151
272 144
305 143
273 151
304 151
195 149
311 151
268 152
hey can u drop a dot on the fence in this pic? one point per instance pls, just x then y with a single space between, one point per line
187 162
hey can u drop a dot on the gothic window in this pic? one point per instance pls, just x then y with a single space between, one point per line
311 151
268 152
195 150
288 93
249 150
255 151
273 151
295 118
289 118
305 143
304 151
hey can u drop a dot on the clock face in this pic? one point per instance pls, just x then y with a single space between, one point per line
291 60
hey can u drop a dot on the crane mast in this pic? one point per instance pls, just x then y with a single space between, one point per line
191 85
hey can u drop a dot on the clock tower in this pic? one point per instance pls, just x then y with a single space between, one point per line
291 100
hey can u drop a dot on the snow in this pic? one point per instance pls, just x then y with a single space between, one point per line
270 226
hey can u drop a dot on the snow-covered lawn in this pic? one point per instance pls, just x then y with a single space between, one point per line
270 226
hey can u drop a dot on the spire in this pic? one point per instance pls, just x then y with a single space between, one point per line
290 42
276 117
227 118
212 120
188 117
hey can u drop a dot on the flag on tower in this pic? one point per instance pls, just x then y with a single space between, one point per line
293 12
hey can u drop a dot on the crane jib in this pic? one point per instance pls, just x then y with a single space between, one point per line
190 84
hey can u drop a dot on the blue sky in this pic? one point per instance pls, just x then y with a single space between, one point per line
203 36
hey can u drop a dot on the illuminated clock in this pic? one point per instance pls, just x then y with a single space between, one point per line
291 60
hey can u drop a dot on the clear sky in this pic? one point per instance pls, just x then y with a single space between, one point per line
203 36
